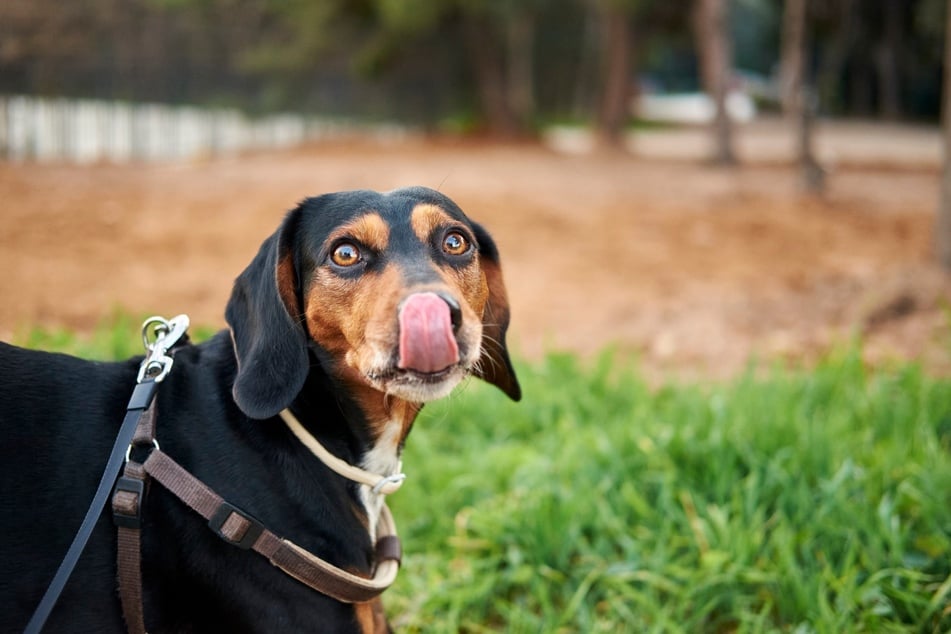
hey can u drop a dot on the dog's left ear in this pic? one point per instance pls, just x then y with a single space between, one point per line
269 340
495 366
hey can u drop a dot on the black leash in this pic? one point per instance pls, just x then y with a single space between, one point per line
153 369
141 399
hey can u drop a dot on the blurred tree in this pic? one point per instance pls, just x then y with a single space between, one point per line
793 57
799 100
889 54
840 38
38 39
496 38
508 65
714 51
943 225
614 18
499 37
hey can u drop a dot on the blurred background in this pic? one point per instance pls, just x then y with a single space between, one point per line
725 229
697 182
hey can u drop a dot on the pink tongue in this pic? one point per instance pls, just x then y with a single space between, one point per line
426 340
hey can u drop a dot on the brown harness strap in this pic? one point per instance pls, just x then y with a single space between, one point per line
242 530
127 501
145 430
130 579
236 528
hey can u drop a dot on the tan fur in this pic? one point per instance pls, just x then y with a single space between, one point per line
286 282
355 319
369 229
426 218
370 617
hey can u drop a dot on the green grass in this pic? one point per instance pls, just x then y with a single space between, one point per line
812 501
118 337
790 501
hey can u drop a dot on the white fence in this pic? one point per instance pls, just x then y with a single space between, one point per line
85 131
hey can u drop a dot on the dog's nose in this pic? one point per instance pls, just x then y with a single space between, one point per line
455 312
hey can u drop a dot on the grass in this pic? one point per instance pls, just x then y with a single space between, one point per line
790 501
118 337
812 501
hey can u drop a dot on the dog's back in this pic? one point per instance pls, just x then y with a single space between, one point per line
58 419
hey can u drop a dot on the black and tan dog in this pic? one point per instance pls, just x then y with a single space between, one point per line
360 308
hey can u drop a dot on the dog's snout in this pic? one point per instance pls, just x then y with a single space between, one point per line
427 334
455 312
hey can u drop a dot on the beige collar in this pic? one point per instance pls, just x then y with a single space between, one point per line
378 484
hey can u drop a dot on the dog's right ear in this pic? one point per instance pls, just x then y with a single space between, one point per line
265 318
495 365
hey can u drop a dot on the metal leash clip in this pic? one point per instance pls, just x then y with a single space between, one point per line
159 336
396 478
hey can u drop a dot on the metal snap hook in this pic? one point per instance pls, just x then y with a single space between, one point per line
167 333
396 478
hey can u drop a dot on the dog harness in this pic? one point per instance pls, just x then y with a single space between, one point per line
239 528
229 522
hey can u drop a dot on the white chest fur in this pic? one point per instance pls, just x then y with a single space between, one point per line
383 459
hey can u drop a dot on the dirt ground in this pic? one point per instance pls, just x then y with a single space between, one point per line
695 269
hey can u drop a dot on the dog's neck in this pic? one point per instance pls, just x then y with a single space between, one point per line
389 425
370 433
388 421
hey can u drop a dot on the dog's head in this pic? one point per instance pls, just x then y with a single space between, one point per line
398 292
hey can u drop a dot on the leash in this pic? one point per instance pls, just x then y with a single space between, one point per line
153 370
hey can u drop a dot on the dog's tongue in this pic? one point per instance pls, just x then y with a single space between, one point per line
426 340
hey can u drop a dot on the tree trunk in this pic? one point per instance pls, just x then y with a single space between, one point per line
711 28
616 87
810 172
521 67
829 76
587 67
943 224
888 61
800 102
488 69
792 58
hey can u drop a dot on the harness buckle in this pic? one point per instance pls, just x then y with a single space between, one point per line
127 508
235 526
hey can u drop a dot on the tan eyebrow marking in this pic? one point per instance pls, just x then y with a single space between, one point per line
369 229
426 218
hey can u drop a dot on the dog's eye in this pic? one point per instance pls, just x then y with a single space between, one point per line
455 243
345 254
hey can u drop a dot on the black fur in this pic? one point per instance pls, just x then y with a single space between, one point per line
59 416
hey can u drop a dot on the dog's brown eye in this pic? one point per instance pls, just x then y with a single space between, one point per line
345 254
455 243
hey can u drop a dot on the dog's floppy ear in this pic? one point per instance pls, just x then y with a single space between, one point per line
269 340
495 366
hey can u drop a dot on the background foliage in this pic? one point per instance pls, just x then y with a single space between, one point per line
505 64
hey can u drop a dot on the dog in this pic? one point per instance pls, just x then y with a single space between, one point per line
359 309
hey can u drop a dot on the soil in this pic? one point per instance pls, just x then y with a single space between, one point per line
694 269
